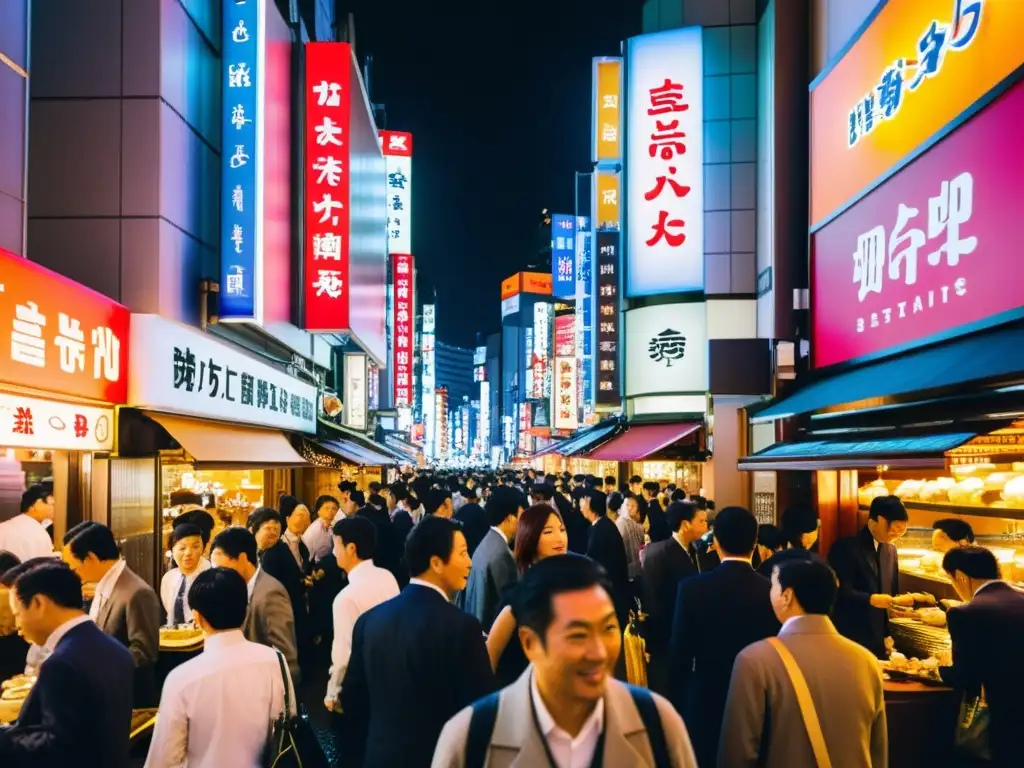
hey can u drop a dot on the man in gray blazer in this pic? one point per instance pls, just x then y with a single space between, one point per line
494 568
270 620
763 725
124 606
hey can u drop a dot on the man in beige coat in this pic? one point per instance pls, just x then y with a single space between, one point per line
843 678
566 705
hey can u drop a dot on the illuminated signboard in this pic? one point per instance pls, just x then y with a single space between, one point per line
609 392
397 148
606 119
563 255
402 323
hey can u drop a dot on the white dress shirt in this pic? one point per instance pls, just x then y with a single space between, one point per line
24 537
216 709
318 540
567 751
368 587
57 634
104 587
291 540
171 583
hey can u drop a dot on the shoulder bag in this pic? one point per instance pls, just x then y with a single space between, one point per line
292 743
972 735
803 698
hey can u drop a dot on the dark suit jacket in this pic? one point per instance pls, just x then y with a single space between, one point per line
782 556
270 620
658 528
853 560
494 570
416 661
666 563
577 529
474 524
79 712
390 542
133 615
606 547
718 614
401 526
986 634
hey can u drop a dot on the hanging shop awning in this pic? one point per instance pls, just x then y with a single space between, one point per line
974 358
214 445
357 454
916 452
640 441
583 441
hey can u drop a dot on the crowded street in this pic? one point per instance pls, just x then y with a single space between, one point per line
619 384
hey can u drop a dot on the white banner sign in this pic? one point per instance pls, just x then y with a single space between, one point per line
667 349
27 422
565 395
509 306
355 391
665 163
182 370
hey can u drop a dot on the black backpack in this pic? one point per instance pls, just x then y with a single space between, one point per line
485 714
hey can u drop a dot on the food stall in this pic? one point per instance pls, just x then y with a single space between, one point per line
675 452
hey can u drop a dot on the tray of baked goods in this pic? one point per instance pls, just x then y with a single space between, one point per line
184 637
13 693
899 667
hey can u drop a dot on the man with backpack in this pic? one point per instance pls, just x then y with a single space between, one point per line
566 709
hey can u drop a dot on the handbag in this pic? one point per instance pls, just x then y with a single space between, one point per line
803 698
972 734
292 742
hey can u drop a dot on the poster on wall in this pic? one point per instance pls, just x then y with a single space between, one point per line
667 349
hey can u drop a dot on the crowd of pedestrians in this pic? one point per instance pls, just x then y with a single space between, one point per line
478 620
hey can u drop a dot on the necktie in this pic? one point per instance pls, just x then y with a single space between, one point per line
179 603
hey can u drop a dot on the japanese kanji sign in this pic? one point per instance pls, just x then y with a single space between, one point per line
915 69
403 305
667 350
607 115
243 52
59 336
28 422
665 163
606 200
563 255
609 392
178 369
327 173
932 250
397 149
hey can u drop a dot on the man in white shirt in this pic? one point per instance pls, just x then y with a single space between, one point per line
216 709
25 535
355 543
187 550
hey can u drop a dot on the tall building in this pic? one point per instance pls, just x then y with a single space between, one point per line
454 370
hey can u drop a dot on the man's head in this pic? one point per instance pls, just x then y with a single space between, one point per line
951 532
632 505
355 540
567 627
735 532
800 526
802 587
887 519
37 502
593 504
542 493
43 596
394 494
201 519
969 567
265 525
609 483
436 552
219 599
187 547
636 484
687 520
92 553
294 514
438 503
326 507
235 548
504 508
651 489
345 488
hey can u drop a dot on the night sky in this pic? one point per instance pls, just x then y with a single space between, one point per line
498 102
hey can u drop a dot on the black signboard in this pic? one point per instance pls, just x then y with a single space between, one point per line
609 391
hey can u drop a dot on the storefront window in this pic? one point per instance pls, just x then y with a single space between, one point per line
687 475
229 495
19 469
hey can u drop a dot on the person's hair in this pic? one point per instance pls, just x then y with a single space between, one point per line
261 517
11 575
77 529
531 526
399 490
543 491
679 512
183 497
609 480
346 486
701 502
358 498
955 528
504 503
972 561
452 484
798 520
678 495
736 531
221 596
813 583
889 507
236 541
771 536
598 502
375 488
183 531
652 487
34 493
201 519
7 561
376 500
359 531
327 499
635 479
615 501
431 537
435 500
468 493
53 580
286 505
533 599
578 478
96 539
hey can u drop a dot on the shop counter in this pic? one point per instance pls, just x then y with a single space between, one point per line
921 722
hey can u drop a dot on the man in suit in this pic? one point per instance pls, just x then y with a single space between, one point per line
868 572
417 659
270 620
606 548
763 725
666 563
566 708
986 631
80 709
657 528
474 520
124 606
494 569
718 613
389 548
